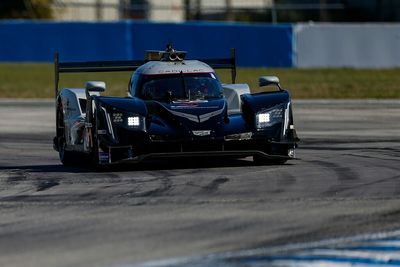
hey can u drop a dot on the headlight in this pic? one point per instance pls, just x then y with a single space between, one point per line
270 117
134 121
129 120
118 117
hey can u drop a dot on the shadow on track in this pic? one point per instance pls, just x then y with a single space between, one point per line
45 168
198 163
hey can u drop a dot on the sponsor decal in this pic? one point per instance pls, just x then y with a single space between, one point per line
181 70
198 118
195 106
103 157
202 132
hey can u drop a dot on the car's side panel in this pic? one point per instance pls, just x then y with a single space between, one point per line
126 104
254 103
74 118
232 94
260 102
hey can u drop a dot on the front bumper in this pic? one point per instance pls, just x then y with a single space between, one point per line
196 148
232 153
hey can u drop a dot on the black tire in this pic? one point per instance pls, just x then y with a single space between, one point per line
94 161
67 158
94 155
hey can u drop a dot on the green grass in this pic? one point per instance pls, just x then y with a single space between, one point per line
37 81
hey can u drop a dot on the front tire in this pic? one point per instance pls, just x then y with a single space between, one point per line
94 154
67 158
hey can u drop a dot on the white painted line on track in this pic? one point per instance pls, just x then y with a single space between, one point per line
310 254
360 254
386 243
316 244
284 263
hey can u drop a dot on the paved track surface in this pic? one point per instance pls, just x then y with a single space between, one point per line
347 182
368 250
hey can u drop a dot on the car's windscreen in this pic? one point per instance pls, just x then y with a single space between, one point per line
175 87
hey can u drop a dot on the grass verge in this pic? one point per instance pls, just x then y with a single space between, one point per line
37 81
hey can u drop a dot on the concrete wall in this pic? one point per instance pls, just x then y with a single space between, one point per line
347 45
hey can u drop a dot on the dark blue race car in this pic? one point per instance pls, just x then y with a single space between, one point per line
175 108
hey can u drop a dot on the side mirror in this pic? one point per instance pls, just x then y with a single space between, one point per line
95 86
269 80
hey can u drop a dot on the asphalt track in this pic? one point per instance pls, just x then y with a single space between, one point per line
347 182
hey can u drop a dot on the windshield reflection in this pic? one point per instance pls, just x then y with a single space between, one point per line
180 87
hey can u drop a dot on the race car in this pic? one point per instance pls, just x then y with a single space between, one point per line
175 108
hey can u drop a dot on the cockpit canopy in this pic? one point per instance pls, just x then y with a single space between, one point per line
178 87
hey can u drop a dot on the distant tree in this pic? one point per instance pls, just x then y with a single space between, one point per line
26 9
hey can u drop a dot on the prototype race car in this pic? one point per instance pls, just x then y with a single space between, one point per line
174 108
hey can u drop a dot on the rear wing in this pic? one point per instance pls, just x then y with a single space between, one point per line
224 63
92 66
129 65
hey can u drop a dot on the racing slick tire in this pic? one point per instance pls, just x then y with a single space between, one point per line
94 155
94 161
67 158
